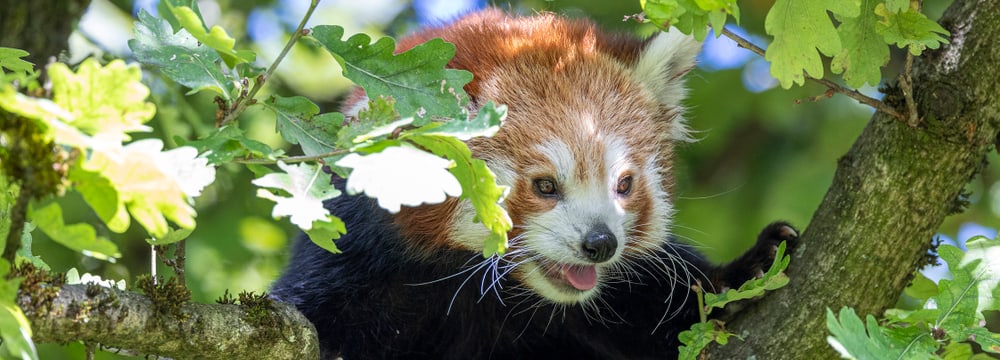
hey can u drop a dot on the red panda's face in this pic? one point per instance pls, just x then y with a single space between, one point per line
586 149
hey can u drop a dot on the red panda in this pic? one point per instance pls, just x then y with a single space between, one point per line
591 271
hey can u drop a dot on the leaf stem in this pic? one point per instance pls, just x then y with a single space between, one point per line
243 102
906 86
854 94
292 159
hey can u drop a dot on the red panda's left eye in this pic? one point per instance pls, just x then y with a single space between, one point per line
624 185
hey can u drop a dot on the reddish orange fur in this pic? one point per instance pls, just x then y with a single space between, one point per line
546 69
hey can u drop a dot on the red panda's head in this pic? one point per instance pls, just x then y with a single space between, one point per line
586 148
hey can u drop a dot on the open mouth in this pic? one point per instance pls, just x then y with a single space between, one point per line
570 277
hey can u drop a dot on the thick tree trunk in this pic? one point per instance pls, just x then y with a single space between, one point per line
891 192
40 27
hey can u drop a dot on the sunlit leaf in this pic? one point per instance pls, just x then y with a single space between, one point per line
108 100
863 53
478 185
773 279
215 38
802 30
299 123
306 185
401 175
323 233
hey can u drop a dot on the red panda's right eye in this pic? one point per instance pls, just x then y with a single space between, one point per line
545 187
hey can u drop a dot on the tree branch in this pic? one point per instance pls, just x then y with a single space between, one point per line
131 321
853 94
890 193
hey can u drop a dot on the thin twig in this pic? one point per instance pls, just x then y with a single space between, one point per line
244 101
906 85
292 159
854 94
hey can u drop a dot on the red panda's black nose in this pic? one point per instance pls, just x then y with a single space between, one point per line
599 244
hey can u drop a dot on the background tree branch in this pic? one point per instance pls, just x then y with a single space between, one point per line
131 321
891 192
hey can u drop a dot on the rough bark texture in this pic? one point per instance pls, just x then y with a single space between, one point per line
891 192
40 27
130 321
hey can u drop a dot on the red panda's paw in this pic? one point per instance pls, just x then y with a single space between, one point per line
758 259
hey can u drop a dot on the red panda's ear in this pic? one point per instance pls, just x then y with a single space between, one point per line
660 69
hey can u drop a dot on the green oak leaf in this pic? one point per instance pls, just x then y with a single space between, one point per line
695 339
982 256
417 78
800 29
163 8
910 30
773 279
478 185
108 100
897 6
215 38
373 123
486 123
25 253
692 17
101 195
307 187
863 51
179 56
989 341
10 59
298 123
15 330
323 233
854 340
79 237
958 298
401 175
227 143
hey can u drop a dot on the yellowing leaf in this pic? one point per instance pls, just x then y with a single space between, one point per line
109 100
800 28
216 38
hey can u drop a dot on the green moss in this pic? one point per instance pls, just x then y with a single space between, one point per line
40 286
168 297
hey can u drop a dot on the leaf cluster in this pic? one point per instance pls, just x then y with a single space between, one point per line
703 333
949 320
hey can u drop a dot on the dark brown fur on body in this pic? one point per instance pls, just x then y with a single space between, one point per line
586 110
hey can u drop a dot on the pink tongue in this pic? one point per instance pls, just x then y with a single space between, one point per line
580 276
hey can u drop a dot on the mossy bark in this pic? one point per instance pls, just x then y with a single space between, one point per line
130 321
890 194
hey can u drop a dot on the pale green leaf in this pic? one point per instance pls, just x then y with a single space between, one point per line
79 237
102 197
416 78
215 38
773 279
486 123
306 185
863 52
10 59
15 330
982 259
958 298
108 101
25 253
695 339
172 236
853 339
910 30
802 29
374 123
